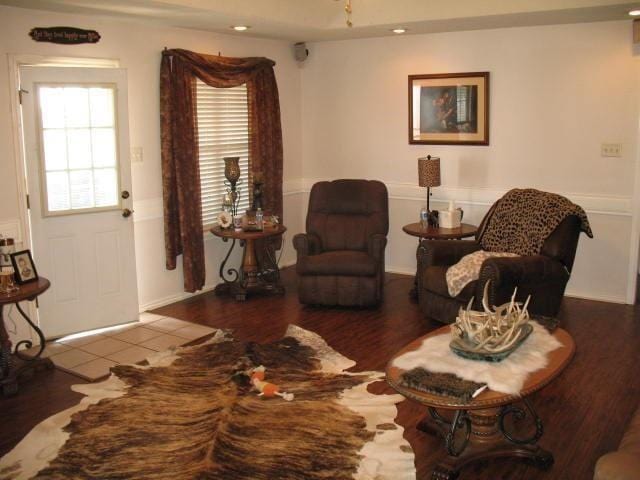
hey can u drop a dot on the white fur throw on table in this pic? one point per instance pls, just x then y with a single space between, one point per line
468 269
507 376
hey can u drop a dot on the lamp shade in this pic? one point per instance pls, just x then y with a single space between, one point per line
429 171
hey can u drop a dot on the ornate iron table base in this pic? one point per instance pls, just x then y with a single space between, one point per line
19 367
479 434
249 279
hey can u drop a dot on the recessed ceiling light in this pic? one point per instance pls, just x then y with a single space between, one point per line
635 13
399 30
241 28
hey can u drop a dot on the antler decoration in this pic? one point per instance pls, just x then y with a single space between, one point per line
492 331
348 10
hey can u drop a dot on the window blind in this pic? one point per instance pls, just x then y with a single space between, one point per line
223 131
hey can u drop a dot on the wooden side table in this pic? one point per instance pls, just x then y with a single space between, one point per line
480 429
20 366
240 283
436 233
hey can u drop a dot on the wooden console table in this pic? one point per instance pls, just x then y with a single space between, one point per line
248 279
480 429
18 366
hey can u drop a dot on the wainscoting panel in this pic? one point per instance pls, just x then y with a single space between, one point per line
64 269
107 263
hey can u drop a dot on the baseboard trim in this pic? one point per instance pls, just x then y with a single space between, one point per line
400 270
169 299
598 298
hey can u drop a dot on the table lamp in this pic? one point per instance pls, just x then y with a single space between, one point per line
429 174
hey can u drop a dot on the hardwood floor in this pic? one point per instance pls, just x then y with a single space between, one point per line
584 411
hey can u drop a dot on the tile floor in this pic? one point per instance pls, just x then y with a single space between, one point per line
91 356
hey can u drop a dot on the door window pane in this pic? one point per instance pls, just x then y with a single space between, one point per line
55 149
104 147
103 179
79 147
52 107
58 191
76 107
101 107
81 183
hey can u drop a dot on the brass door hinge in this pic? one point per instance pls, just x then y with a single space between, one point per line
20 92
28 203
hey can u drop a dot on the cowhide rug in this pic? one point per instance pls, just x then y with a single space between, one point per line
184 417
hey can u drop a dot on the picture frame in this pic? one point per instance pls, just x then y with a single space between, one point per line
449 109
23 267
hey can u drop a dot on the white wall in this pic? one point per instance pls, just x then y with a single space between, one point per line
557 93
138 49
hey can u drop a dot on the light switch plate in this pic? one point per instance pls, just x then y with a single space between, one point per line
611 150
136 154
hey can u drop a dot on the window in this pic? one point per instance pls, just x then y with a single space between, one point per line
223 131
79 146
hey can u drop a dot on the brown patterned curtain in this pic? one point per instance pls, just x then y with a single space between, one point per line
178 128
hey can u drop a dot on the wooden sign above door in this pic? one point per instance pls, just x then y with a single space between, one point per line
64 35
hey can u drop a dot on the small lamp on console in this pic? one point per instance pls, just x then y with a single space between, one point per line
429 176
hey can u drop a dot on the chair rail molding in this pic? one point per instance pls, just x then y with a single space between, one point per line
592 203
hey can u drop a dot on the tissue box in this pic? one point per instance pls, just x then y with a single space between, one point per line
449 218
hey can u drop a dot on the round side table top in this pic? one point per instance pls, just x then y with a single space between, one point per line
558 360
250 235
463 231
27 291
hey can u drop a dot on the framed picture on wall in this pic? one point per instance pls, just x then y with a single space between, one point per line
24 268
449 109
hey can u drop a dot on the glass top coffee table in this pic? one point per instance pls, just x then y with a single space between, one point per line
482 428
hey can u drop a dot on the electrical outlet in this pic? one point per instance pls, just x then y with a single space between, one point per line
136 154
611 150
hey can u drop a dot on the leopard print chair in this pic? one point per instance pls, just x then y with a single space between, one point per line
544 275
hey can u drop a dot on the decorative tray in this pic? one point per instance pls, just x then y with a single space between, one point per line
464 348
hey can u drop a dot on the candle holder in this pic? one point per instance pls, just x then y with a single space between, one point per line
232 174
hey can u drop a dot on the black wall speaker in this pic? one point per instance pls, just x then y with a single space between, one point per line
300 51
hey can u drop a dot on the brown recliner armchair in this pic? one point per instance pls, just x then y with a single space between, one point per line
623 464
341 257
543 276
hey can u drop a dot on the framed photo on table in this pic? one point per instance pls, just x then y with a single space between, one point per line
24 268
449 109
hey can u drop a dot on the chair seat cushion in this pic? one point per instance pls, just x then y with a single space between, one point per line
434 279
339 262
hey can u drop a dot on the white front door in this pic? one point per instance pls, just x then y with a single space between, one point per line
76 143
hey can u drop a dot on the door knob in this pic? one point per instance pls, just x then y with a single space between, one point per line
126 213
125 194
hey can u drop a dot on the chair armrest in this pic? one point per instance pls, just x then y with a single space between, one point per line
376 245
443 252
306 244
505 273
618 465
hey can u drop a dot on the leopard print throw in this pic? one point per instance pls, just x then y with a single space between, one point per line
524 218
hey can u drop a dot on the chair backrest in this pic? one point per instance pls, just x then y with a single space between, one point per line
344 213
560 245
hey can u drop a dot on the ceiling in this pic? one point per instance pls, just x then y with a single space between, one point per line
320 20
